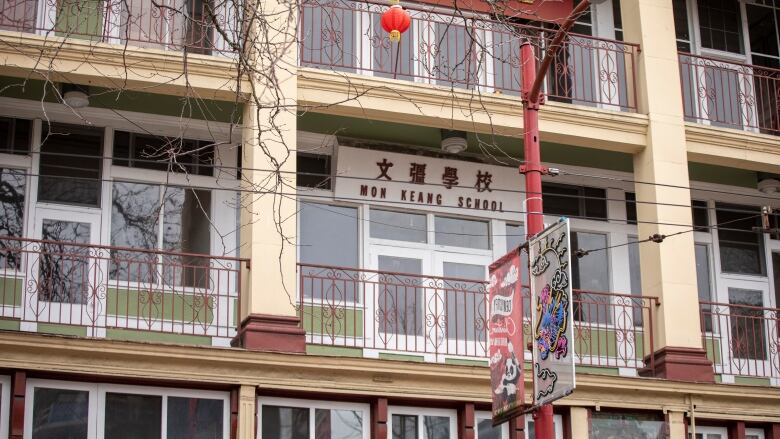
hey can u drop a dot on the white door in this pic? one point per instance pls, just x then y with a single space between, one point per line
742 328
464 299
402 316
66 274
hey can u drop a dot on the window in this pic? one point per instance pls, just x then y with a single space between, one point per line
710 433
575 201
720 25
160 153
387 224
741 248
418 423
137 210
754 433
15 135
465 301
698 212
5 405
746 324
462 233
70 165
682 30
485 430
634 269
557 425
703 279
313 170
605 425
590 274
299 419
321 229
13 185
87 411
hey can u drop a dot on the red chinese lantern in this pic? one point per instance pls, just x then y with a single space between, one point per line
396 21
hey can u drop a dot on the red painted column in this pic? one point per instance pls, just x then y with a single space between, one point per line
772 431
517 427
737 430
379 418
531 150
466 421
234 414
18 394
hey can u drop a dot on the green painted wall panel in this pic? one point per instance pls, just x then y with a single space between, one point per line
157 305
401 357
318 320
333 351
713 350
11 291
9 324
82 19
53 328
157 337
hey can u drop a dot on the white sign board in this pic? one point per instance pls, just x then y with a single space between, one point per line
428 182
552 313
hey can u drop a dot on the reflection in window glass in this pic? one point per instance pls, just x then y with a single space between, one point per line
338 424
12 193
462 233
135 214
186 229
405 427
64 269
70 165
590 274
285 422
325 228
720 25
741 248
400 308
436 427
485 430
465 301
130 416
195 418
15 136
410 227
746 323
59 413
627 426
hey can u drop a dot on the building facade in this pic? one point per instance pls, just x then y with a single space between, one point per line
240 220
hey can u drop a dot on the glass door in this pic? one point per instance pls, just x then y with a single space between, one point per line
405 316
67 271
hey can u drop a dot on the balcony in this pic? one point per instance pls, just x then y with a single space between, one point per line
116 292
742 341
381 314
192 26
729 94
463 51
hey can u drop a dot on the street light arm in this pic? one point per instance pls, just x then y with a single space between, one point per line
533 95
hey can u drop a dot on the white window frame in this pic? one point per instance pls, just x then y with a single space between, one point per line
5 405
97 397
311 405
557 425
757 432
421 412
722 431
482 415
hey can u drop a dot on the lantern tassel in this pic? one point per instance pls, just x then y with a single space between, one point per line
395 36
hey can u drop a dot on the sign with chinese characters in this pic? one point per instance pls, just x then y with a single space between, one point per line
412 180
551 313
506 337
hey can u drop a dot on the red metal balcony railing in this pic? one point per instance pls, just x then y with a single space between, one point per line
447 317
197 26
457 49
730 94
103 288
742 340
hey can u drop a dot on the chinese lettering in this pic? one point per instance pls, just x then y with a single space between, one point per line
483 181
417 172
450 177
384 166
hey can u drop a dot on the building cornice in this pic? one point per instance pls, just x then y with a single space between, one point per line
733 148
276 372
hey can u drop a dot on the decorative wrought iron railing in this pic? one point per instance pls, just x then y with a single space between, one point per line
103 288
197 26
440 317
730 94
742 340
457 49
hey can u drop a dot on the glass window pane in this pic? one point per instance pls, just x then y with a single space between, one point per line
386 224
462 233
436 427
515 236
720 25
741 248
485 430
561 200
630 208
633 266
400 300
466 302
700 215
13 184
186 229
160 153
15 135
313 170
324 228
627 426
285 422
681 20
195 418
746 321
64 269
338 424
703 283
591 274
133 416
59 413
762 29
135 215
70 163
405 427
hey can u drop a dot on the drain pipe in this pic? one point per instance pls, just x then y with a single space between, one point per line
693 417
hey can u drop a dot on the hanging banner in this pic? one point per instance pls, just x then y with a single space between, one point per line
506 337
551 313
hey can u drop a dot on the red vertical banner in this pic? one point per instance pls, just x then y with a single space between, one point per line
506 337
